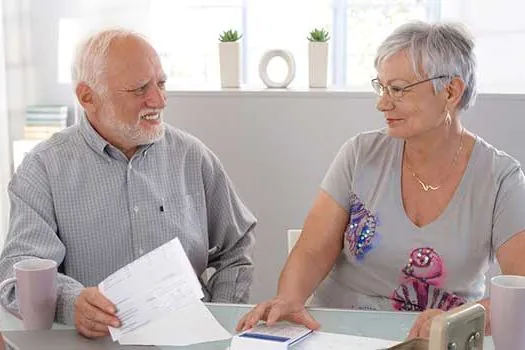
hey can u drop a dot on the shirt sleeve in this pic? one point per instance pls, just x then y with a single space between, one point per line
339 177
230 234
32 233
509 218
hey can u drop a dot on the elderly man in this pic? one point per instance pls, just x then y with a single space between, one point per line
102 193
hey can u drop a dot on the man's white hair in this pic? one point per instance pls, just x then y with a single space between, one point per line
438 49
90 61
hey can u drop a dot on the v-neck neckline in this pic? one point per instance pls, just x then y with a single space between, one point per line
458 193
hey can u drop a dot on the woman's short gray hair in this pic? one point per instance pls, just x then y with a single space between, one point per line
437 49
90 62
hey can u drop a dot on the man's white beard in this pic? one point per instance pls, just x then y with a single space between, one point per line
140 136
133 132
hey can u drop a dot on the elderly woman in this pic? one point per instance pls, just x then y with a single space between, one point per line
409 217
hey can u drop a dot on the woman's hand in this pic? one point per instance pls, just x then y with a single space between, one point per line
275 310
421 328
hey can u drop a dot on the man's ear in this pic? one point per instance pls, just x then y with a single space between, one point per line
454 91
86 97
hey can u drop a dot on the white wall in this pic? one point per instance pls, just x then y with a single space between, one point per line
276 147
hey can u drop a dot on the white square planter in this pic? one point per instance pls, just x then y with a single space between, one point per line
317 64
230 64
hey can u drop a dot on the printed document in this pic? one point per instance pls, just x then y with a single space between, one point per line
159 287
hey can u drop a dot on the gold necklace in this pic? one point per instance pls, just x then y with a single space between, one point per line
428 187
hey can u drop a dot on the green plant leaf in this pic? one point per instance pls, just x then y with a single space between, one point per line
319 35
229 36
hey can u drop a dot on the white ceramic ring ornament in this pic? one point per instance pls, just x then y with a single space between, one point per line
263 68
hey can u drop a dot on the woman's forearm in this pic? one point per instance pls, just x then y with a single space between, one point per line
303 272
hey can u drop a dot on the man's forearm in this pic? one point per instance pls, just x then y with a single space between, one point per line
232 285
68 291
234 272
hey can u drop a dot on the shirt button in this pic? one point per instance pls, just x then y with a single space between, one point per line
136 209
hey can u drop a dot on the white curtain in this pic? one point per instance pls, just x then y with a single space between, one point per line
16 86
5 164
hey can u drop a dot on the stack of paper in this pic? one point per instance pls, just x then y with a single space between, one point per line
277 337
158 301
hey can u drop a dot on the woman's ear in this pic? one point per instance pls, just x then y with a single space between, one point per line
454 91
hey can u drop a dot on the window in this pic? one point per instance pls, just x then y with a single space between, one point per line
368 22
499 31
185 33
68 35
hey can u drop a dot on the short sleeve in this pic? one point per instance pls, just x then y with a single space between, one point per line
339 178
509 210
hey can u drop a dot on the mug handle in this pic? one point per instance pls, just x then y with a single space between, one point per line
4 284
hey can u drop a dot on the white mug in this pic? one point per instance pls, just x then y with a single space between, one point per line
36 292
507 312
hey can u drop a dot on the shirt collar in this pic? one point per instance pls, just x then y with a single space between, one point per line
92 137
100 145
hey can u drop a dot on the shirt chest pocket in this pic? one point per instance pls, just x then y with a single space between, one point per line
180 216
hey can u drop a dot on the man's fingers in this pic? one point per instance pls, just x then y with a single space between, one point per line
86 332
92 313
93 326
94 297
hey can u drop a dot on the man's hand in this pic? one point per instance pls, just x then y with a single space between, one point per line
94 313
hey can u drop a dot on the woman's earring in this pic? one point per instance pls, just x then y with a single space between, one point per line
448 119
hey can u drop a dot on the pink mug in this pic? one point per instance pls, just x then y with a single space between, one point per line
507 312
36 291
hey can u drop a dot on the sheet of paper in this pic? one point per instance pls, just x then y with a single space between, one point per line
191 324
332 341
158 283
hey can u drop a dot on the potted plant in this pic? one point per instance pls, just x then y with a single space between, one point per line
229 58
318 57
